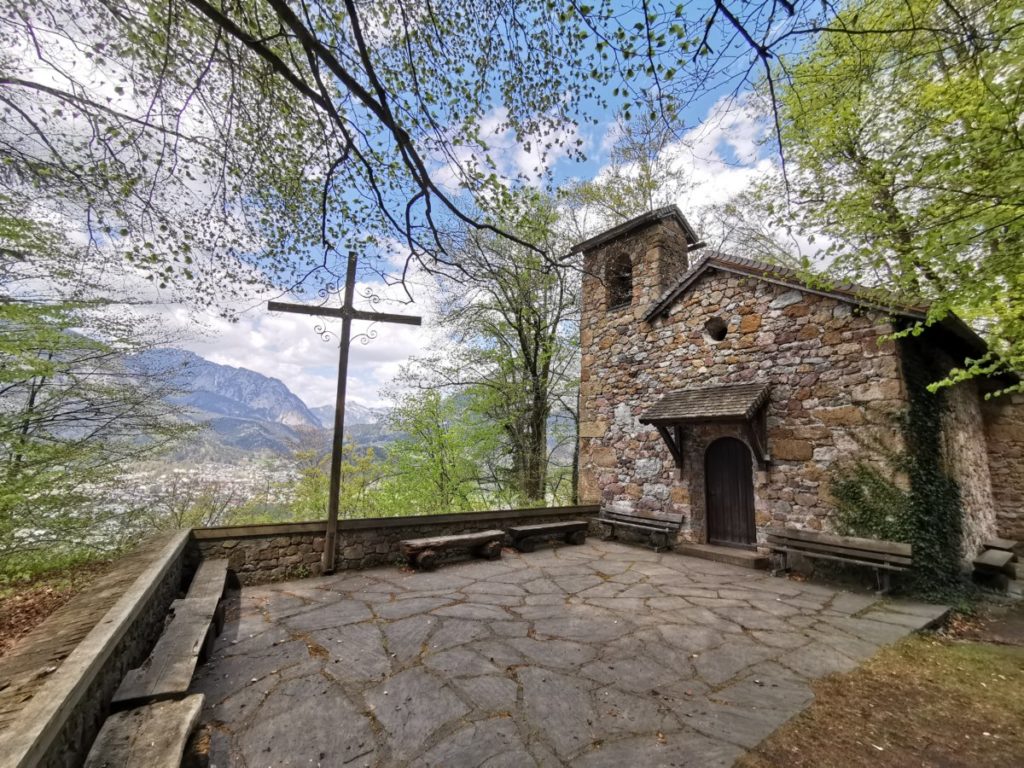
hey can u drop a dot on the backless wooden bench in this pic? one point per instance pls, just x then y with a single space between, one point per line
526 537
423 553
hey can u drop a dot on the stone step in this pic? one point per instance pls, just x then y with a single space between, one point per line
745 558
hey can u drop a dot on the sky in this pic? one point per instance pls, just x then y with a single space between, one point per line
721 156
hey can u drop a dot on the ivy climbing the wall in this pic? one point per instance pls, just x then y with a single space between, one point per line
936 514
928 513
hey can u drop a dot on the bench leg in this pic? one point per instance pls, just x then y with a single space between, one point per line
526 545
491 550
779 563
659 541
426 560
886 580
607 532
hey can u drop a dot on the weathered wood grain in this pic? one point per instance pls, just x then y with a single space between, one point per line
153 736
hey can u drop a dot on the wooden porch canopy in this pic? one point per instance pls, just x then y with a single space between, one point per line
743 403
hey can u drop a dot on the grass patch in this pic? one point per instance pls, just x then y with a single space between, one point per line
923 702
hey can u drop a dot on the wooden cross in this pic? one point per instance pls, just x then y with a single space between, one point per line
347 312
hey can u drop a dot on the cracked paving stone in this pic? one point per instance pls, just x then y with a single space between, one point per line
767 686
400 609
356 652
298 724
559 654
459 662
411 706
724 662
631 673
622 714
682 749
817 660
474 611
558 708
406 637
455 632
490 693
331 615
492 743
600 651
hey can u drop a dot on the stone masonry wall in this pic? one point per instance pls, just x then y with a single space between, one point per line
963 435
92 708
261 557
1004 427
836 393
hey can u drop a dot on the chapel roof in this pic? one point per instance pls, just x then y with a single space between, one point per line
952 333
723 401
644 220
786 276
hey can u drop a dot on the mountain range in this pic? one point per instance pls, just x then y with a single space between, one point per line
246 412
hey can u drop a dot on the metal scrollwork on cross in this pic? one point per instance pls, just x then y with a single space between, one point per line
347 312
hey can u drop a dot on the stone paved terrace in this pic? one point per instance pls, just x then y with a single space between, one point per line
598 655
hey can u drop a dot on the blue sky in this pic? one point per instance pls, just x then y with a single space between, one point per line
719 153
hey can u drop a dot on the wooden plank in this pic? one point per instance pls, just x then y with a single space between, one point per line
458 540
995 560
167 673
999 543
849 542
208 583
673 521
640 526
822 556
808 546
154 736
538 528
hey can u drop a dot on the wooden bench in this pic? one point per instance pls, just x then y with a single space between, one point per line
526 537
884 556
996 561
154 736
167 672
423 553
661 531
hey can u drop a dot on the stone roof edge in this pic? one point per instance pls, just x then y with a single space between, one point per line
620 230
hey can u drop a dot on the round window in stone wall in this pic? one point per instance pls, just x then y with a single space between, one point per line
716 328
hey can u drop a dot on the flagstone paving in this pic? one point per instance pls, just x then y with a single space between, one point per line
597 655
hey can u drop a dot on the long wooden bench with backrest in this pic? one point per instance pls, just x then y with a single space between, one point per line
662 531
885 557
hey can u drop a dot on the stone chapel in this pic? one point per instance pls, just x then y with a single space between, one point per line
723 392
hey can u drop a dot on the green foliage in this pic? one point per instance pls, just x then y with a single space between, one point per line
928 515
436 461
905 148
512 323
868 503
71 417
935 513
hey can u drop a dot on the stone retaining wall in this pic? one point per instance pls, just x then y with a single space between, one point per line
262 553
58 718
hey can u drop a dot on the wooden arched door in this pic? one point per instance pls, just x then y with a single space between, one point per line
729 493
